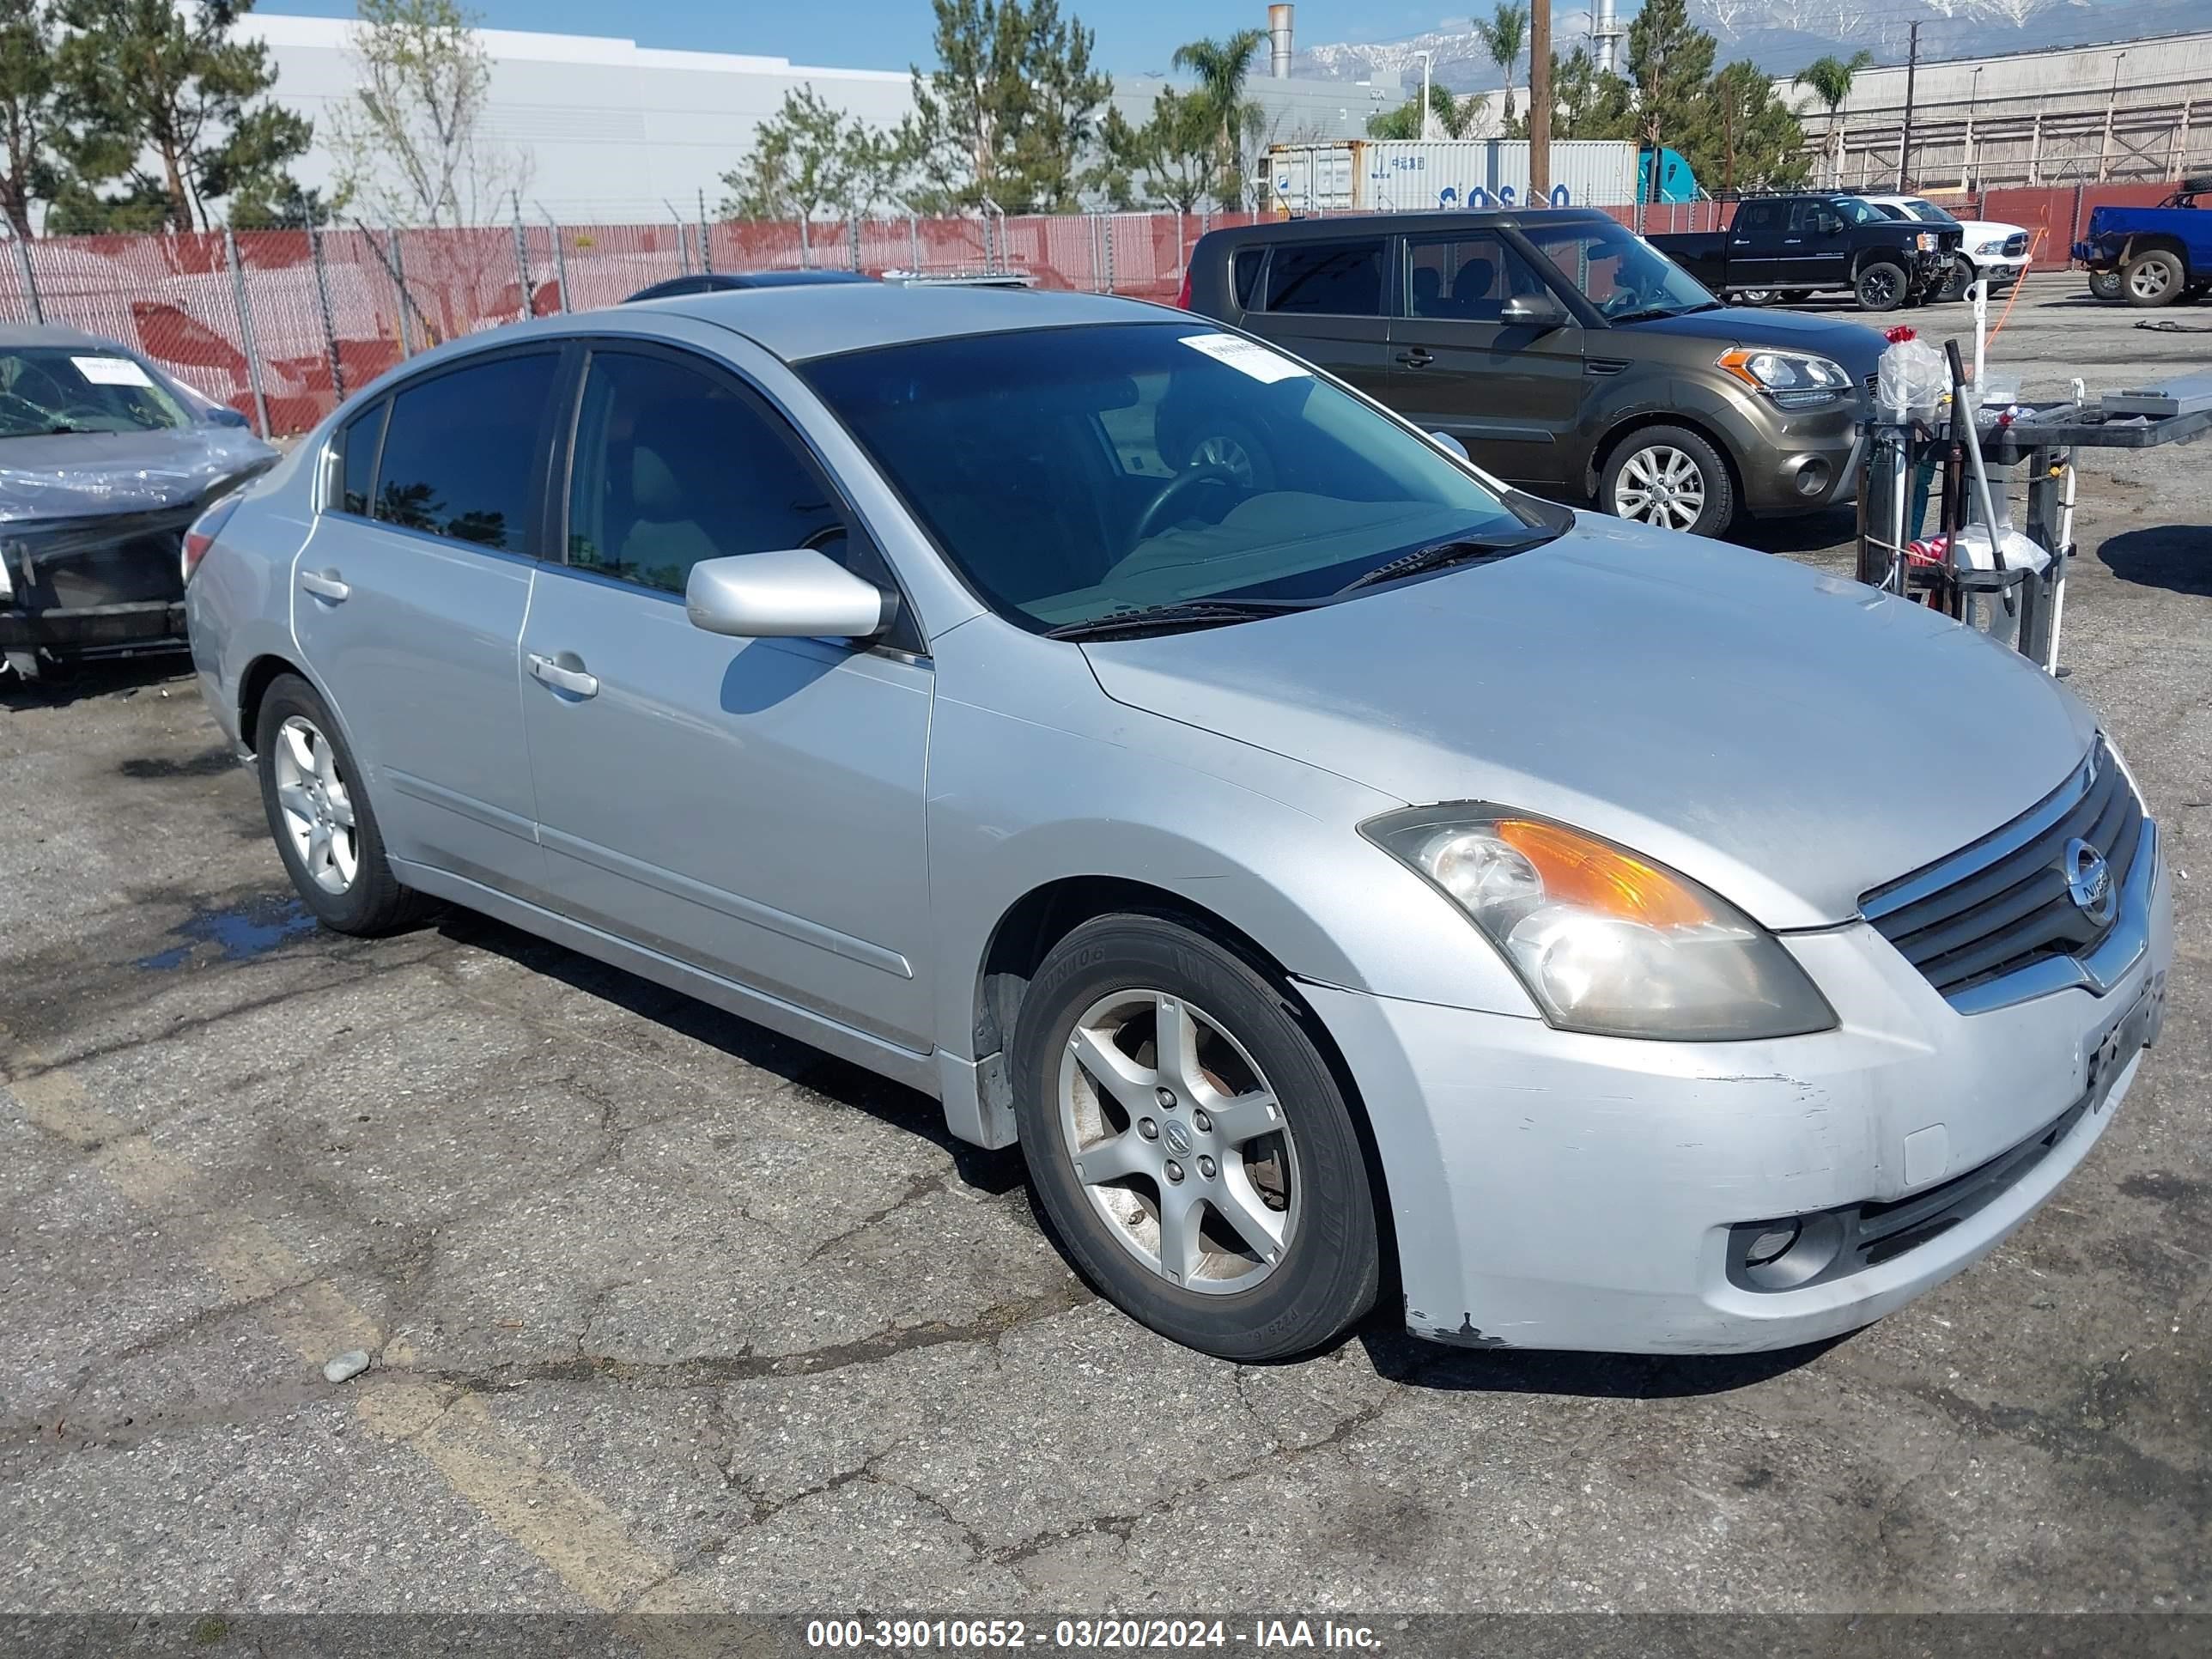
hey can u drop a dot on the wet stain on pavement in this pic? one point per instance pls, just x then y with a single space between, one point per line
239 934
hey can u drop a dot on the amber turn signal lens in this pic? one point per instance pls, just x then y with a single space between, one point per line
1577 870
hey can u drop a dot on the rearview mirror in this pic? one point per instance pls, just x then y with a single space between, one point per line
1532 310
794 594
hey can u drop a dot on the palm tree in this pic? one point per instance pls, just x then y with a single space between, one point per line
1830 80
1505 35
1221 67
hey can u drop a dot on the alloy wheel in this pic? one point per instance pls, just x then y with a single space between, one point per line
1223 454
318 808
2148 280
1878 287
1660 485
1178 1142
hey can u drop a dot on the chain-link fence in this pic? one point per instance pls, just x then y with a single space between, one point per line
283 324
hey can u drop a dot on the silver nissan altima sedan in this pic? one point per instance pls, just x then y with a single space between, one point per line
1342 875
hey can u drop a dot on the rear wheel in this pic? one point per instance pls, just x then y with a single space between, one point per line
1881 286
1754 296
1189 1143
320 818
1669 476
2153 278
1795 296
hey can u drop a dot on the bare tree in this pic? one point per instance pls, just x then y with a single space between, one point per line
409 144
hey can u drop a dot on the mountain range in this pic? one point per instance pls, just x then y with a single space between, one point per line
1782 36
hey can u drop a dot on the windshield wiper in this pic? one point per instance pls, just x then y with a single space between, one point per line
1459 550
1186 613
1651 313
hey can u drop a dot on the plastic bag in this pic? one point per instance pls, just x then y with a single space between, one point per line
87 475
1911 379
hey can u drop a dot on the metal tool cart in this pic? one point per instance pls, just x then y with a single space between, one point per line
2019 600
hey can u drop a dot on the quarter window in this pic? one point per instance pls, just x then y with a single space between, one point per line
1339 279
1244 275
673 465
462 451
358 455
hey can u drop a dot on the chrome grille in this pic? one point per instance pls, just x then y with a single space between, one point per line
2003 903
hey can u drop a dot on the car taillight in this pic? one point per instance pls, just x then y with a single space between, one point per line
205 528
1183 293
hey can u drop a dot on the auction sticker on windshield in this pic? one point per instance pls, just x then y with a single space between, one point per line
1246 356
111 371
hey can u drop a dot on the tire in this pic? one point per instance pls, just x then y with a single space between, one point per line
1795 296
1754 296
1664 503
1881 285
2153 278
309 785
1101 993
2105 285
1956 285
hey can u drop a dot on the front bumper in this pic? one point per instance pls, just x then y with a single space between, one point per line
1552 1190
101 584
1799 462
2002 269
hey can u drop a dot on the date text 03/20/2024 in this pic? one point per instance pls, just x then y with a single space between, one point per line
900 1634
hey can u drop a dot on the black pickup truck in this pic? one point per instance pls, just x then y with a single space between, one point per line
1794 246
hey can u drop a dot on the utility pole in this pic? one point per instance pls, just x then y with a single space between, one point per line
1540 102
1905 138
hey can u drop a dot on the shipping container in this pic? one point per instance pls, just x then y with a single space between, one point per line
1377 174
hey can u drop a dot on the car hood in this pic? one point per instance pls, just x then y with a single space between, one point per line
1981 230
78 475
1792 739
1853 345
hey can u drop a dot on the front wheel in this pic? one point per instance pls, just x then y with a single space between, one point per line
1669 476
1754 296
1955 286
1190 1143
1880 286
2155 278
319 816
2105 285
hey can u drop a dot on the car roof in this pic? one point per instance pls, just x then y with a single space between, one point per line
1396 224
820 319
50 334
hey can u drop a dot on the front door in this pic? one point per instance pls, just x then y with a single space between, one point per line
1324 301
751 807
407 599
1511 394
1816 249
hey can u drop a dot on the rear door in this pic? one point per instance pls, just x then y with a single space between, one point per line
1325 302
1512 394
1754 244
408 602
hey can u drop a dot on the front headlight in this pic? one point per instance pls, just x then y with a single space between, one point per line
1795 379
1995 245
1606 942
1925 241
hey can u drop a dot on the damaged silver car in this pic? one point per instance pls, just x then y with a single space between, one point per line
104 462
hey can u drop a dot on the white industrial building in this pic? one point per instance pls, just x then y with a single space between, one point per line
620 133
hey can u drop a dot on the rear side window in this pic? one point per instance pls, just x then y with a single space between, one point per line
1760 218
1338 279
357 452
1244 275
462 451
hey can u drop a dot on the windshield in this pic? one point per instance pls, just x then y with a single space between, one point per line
1929 213
1076 473
1618 272
48 389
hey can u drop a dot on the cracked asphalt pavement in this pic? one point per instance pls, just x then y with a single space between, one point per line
666 1312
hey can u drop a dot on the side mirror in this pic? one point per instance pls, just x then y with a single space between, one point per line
1445 440
1539 311
224 415
795 594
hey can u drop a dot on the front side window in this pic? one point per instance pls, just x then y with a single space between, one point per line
1072 474
1618 272
1337 279
673 465
461 452
46 390
1467 278
1851 210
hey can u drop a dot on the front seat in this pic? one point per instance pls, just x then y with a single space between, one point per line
665 539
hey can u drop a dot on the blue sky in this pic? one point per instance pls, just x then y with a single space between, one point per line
1134 36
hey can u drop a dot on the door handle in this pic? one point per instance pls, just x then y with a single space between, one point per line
1418 357
325 584
575 681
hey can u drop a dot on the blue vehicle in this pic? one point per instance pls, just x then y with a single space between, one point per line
2151 256
1677 183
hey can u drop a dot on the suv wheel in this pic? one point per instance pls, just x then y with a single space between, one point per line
1881 286
1669 476
1190 1145
2155 278
1956 285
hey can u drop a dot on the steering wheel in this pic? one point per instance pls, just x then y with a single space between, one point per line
1625 299
1172 492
